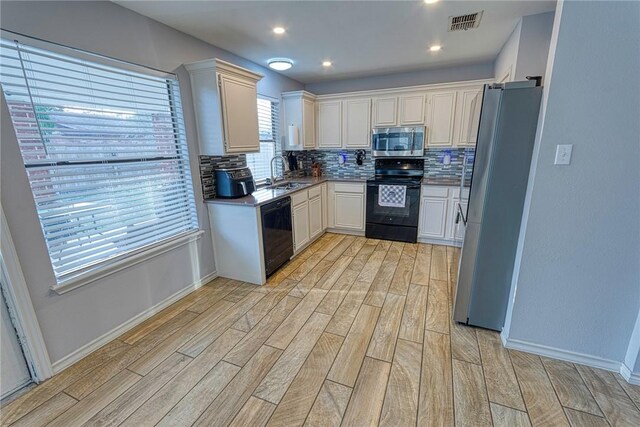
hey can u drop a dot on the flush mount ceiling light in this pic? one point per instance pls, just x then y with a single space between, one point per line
435 48
279 30
430 1
280 64
327 63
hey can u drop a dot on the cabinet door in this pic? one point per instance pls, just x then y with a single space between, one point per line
324 205
440 118
301 225
309 123
468 116
330 124
238 99
411 110
433 217
385 111
315 217
357 123
349 211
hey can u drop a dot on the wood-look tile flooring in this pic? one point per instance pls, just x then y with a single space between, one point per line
353 332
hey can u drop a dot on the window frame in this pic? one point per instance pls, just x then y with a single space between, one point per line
102 267
277 149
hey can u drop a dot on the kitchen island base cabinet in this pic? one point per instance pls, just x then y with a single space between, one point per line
237 242
347 207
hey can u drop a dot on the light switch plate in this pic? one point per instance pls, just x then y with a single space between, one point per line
563 154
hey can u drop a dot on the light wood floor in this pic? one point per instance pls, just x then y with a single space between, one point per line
353 331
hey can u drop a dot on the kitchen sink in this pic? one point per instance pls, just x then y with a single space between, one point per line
288 186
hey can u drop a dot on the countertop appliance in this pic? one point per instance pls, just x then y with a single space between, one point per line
277 234
398 142
506 134
234 183
393 199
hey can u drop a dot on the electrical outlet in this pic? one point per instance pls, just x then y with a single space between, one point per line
563 154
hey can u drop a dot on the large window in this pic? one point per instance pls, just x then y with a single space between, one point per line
105 153
268 124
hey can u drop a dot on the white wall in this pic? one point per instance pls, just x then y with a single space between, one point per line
74 319
413 78
577 276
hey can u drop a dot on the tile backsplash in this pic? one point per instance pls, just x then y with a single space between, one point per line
434 165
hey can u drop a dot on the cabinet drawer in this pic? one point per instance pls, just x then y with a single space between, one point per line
455 193
344 187
314 192
299 197
430 191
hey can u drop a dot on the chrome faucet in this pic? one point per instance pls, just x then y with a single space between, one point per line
273 174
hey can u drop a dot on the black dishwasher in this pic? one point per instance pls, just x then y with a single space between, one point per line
277 234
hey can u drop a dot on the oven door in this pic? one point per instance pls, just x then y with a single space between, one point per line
406 216
398 142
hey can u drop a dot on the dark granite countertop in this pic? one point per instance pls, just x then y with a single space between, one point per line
266 195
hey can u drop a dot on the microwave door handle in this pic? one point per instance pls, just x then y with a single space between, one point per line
413 140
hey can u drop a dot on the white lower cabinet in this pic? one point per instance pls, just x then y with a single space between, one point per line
307 209
433 217
346 206
438 212
301 225
324 191
315 217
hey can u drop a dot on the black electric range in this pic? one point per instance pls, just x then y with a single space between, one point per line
393 200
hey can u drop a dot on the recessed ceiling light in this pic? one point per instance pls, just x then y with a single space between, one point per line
327 63
280 64
435 48
430 1
279 30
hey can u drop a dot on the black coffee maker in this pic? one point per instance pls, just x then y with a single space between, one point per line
234 183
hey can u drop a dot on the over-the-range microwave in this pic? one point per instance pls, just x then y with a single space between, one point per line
398 142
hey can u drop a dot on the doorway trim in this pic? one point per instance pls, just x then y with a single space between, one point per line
21 309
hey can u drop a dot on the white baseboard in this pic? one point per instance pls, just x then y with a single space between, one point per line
557 353
92 346
444 242
627 374
343 231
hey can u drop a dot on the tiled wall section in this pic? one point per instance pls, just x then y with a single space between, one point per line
433 165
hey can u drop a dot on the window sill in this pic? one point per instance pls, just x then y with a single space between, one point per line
125 261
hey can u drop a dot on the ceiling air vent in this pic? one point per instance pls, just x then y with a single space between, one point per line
465 22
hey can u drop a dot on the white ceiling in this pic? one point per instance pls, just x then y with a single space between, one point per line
362 38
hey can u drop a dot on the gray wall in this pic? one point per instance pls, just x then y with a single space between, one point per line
506 60
533 49
526 50
74 319
577 277
414 78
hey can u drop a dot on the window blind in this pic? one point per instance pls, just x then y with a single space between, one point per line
268 125
105 153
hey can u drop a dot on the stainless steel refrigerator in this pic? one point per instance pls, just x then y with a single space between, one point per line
508 122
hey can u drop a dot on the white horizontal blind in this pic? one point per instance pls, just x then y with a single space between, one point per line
268 123
105 153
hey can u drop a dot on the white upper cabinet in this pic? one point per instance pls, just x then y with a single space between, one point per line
403 110
356 123
385 112
298 109
309 123
441 108
411 110
225 102
329 123
468 116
